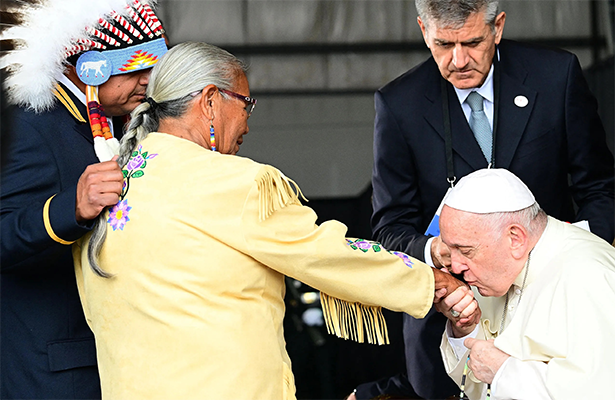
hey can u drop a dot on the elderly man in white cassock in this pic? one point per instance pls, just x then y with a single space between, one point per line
545 290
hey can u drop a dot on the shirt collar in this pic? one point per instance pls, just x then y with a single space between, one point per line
63 79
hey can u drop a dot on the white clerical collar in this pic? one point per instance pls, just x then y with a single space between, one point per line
63 79
486 89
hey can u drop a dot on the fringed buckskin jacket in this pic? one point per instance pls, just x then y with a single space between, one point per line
198 246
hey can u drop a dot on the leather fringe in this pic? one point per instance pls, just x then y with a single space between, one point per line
275 191
354 320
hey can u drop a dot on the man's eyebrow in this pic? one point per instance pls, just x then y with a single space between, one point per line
469 41
474 40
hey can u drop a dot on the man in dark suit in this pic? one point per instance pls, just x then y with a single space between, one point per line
53 186
539 121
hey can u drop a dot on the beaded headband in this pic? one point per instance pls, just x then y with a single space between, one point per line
96 67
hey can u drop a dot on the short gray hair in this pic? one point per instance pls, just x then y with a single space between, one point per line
532 218
454 13
185 69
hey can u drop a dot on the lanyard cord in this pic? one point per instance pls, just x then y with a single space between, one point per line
448 135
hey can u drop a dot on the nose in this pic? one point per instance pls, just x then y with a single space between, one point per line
457 264
460 56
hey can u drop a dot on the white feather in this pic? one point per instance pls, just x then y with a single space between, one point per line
46 31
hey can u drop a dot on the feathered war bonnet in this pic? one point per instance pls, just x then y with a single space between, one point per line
105 37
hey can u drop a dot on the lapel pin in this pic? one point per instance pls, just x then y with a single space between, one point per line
521 101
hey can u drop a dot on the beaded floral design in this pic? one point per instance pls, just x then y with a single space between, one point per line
138 161
366 245
134 167
406 258
118 214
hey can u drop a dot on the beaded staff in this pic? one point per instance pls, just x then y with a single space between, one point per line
105 145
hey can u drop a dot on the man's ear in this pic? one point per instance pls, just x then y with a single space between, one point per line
423 29
499 26
518 240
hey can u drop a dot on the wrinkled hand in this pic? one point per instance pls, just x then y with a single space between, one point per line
444 283
99 186
440 253
462 301
485 358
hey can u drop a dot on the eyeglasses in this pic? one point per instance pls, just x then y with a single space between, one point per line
250 101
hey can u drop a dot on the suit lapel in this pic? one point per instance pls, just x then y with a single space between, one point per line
464 143
512 115
77 110
85 131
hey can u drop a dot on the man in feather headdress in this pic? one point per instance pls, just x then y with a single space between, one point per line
73 66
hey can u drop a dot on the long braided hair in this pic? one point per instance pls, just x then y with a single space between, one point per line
187 68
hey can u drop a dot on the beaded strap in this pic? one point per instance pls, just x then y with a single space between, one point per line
105 145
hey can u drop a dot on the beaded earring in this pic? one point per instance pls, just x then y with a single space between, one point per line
212 137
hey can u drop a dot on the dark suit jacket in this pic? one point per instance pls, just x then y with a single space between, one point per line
557 135
47 349
5 132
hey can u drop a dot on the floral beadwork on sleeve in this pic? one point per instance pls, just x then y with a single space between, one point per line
406 258
118 214
366 245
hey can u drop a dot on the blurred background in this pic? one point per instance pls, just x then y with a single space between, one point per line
314 67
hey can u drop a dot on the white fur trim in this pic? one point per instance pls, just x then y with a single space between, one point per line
114 145
103 150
